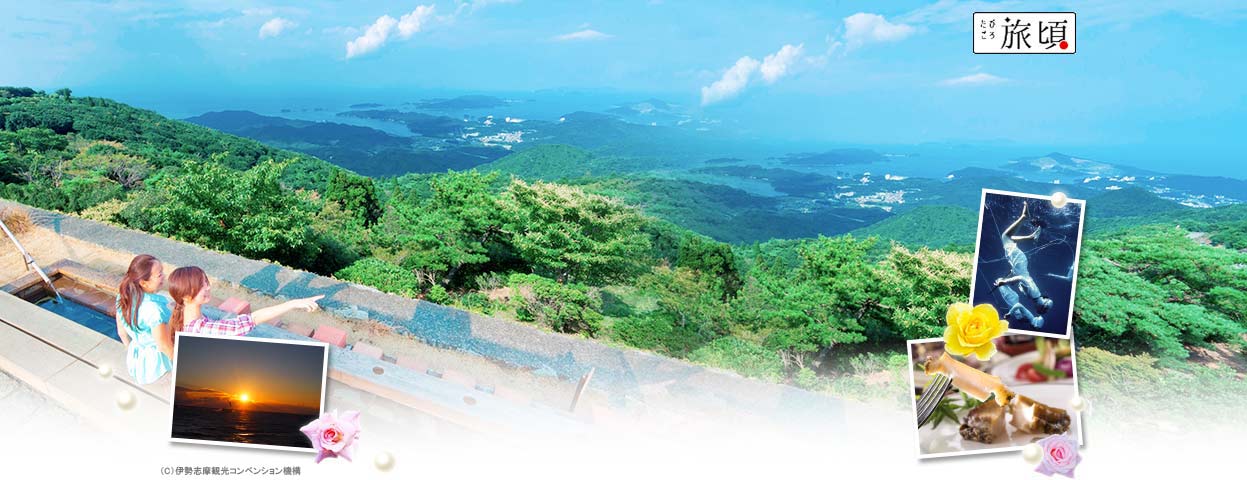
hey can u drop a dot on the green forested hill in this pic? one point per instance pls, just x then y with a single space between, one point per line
548 162
363 150
636 260
728 214
1131 202
160 141
927 226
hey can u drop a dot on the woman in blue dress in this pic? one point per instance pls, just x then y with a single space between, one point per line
143 320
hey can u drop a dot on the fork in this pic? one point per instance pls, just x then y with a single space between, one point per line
931 397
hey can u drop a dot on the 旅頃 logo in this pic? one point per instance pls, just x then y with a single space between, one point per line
1025 32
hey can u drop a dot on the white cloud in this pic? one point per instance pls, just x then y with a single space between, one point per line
415 21
980 78
732 83
777 64
957 11
378 34
373 38
864 28
772 68
586 34
1095 12
275 27
474 5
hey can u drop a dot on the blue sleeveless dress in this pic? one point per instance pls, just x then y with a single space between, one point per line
144 360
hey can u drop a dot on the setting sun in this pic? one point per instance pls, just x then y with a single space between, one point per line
243 397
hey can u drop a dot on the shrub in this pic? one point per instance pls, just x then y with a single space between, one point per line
381 275
107 211
82 193
742 356
437 294
490 281
17 219
567 308
807 379
477 302
656 333
1134 389
1124 312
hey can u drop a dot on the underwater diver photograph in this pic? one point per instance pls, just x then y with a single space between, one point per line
1027 258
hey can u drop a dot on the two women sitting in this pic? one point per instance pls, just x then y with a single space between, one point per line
148 322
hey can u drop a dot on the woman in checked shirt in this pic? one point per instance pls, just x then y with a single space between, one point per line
190 290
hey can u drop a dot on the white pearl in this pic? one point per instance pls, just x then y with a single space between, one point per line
1059 199
125 399
105 370
1032 452
1078 404
384 461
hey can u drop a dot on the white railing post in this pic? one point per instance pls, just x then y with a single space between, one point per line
30 261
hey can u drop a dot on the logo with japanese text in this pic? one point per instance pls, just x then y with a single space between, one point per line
1025 32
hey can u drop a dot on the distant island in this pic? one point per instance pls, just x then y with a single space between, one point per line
463 102
366 105
842 156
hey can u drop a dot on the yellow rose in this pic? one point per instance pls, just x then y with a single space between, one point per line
971 330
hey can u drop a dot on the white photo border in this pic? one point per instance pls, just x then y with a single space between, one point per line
1073 286
324 383
909 352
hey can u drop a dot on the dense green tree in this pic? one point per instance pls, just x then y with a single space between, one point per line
39 168
689 299
574 235
15 92
711 258
248 213
85 192
665 238
127 170
342 237
356 194
36 139
451 229
806 311
915 289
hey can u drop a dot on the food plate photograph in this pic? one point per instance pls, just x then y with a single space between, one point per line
1022 393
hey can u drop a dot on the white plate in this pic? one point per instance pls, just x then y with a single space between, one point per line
1008 368
947 438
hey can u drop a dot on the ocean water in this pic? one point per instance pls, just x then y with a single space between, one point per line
241 426
1049 256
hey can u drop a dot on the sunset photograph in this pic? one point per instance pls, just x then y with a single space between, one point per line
248 392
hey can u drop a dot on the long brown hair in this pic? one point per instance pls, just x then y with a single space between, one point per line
184 282
130 293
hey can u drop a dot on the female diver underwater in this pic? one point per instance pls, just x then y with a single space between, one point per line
1020 275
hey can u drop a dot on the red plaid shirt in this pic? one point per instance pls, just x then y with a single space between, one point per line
239 325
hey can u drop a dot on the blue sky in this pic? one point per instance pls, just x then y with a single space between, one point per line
1162 78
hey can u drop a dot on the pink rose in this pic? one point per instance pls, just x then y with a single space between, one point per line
1060 455
333 436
